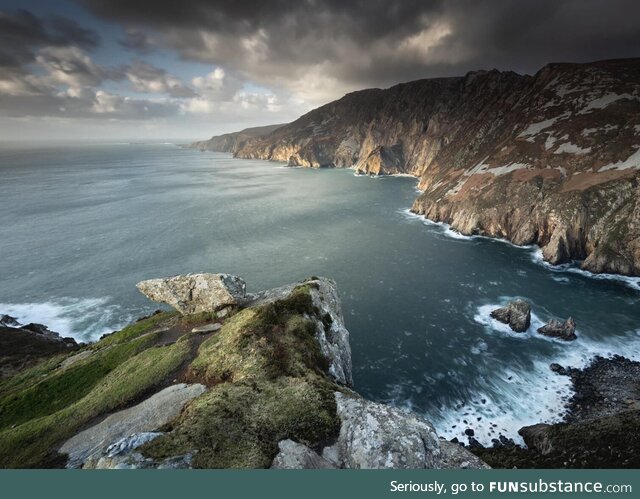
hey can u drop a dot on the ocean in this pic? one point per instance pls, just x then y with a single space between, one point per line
80 225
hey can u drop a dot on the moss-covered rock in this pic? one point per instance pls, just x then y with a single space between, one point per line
269 382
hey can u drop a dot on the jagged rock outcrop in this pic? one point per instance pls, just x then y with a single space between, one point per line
551 159
558 329
517 314
331 333
295 456
194 293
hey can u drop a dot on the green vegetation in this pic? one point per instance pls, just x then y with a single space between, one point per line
238 425
199 318
135 330
65 386
268 383
32 443
266 374
30 376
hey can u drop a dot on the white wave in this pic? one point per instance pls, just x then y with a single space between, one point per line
446 229
408 175
536 253
537 257
483 316
82 319
517 397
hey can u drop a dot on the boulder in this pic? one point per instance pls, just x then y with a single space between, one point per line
207 328
152 413
517 314
8 321
294 456
562 330
558 369
124 454
376 436
194 293
537 437
455 456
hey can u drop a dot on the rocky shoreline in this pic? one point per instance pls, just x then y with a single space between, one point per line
601 428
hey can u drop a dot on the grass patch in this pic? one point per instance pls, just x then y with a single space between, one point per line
199 318
33 443
32 375
238 425
262 343
62 387
134 330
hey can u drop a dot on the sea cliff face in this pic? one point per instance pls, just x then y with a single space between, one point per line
551 159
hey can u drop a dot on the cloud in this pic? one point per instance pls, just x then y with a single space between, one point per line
22 33
149 79
364 43
138 41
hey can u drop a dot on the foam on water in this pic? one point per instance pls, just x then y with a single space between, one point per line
449 231
536 253
536 256
520 396
82 319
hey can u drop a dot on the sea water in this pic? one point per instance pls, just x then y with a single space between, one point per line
80 225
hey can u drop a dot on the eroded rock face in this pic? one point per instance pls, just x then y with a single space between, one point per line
194 293
562 330
454 456
517 314
88 446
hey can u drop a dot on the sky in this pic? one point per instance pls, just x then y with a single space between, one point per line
137 70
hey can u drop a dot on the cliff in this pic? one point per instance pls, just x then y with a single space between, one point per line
229 380
232 142
551 159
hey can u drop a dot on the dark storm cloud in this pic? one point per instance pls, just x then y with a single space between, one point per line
376 42
21 33
138 41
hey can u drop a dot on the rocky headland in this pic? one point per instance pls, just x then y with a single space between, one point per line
551 159
601 428
23 345
227 380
